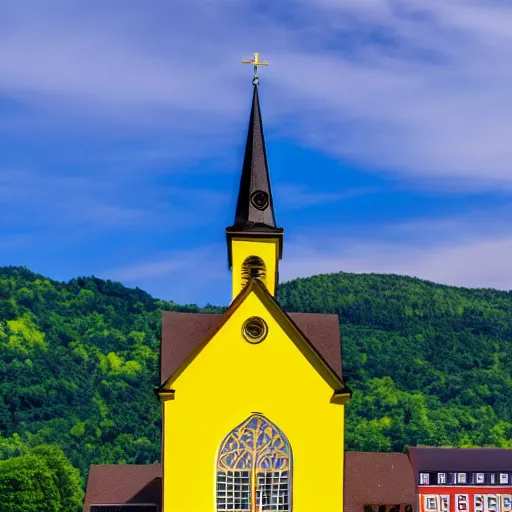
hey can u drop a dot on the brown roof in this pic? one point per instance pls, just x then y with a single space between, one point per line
184 332
460 459
377 479
123 483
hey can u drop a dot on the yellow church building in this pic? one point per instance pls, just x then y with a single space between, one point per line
252 400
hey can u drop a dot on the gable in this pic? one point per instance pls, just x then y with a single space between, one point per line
256 291
182 333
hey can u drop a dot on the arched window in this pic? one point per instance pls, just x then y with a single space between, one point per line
253 267
254 468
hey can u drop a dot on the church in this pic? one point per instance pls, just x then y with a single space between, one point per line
253 400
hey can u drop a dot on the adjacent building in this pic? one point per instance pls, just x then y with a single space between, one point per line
463 480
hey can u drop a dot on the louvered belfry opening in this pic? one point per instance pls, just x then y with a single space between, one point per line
253 268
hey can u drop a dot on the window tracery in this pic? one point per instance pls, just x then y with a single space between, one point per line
254 468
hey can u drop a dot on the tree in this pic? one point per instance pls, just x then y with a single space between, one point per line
28 485
66 477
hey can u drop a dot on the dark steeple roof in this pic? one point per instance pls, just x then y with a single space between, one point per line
255 209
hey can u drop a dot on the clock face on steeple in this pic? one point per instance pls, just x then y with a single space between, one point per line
259 199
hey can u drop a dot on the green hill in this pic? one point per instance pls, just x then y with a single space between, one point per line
429 364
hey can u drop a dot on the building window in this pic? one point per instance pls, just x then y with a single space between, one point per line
255 330
461 478
272 491
424 479
492 504
462 502
254 468
430 502
492 478
503 478
480 478
441 478
479 503
253 268
384 508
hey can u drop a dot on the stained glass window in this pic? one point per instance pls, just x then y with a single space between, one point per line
254 468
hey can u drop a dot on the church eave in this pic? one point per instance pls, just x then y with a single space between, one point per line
164 394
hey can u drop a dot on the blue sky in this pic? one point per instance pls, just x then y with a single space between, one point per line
388 127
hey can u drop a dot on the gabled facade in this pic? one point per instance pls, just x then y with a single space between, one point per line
248 405
253 410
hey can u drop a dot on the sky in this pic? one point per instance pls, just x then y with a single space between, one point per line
388 126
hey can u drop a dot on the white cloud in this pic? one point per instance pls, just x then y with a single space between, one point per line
291 196
102 201
465 251
181 276
458 252
416 88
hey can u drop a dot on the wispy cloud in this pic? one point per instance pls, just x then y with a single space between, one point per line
102 201
419 89
290 196
479 264
182 276
457 252
31 198
414 90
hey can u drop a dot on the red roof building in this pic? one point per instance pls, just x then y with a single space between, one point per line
462 479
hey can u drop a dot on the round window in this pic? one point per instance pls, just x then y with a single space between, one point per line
255 329
260 200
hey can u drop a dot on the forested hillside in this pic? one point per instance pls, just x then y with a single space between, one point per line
428 364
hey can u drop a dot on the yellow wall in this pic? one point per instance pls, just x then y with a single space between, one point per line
223 385
264 248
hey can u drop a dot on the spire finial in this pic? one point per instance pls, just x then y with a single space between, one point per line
255 62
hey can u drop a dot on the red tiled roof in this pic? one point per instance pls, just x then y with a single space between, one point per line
123 483
370 479
377 479
183 332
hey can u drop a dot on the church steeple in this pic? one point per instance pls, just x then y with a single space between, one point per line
255 208
254 240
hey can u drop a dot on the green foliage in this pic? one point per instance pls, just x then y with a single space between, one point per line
27 485
66 477
58 484
429 364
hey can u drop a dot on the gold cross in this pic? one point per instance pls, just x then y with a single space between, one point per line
255 62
